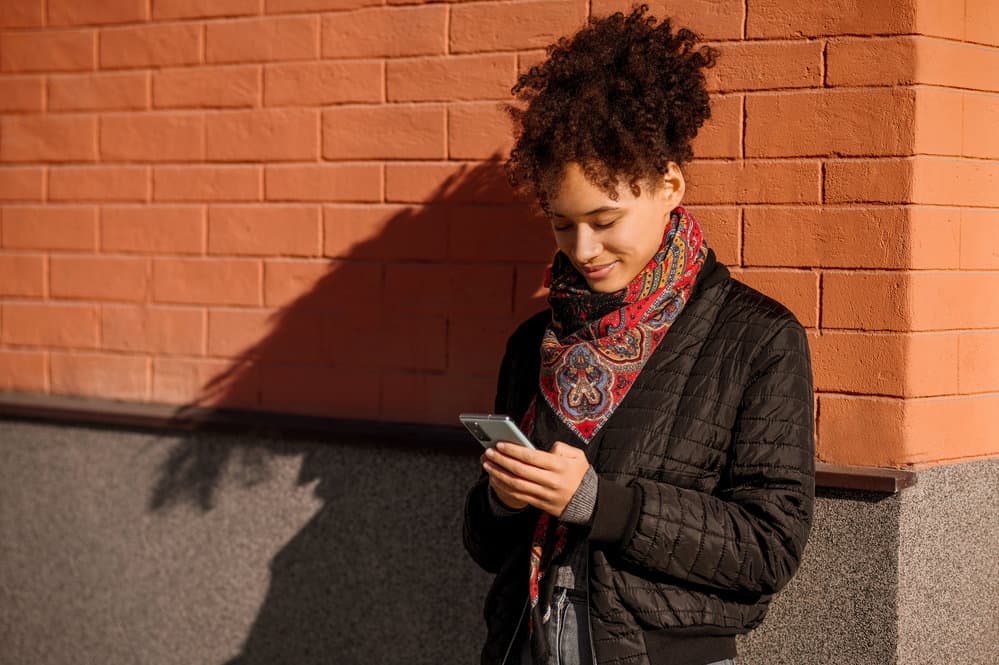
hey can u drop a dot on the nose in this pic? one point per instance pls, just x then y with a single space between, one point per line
586 245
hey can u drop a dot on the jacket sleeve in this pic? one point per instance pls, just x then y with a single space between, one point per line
490 538
750 534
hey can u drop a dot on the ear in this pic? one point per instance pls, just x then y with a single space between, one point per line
672 186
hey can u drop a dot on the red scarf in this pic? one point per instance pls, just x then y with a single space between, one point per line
593 351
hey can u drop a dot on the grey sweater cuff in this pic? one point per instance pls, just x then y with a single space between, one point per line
498 507
581 505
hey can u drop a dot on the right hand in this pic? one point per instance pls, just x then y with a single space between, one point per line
501 492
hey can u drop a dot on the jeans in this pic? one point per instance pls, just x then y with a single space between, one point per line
568 633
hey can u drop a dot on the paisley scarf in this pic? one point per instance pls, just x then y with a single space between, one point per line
591 354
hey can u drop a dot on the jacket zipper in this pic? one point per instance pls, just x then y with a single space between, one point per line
516 631
589 623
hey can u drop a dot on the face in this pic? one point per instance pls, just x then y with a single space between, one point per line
610 242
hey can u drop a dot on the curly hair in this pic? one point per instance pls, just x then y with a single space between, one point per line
622 98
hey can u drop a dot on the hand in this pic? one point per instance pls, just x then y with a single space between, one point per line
546 480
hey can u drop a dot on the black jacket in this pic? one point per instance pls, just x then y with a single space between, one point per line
706 483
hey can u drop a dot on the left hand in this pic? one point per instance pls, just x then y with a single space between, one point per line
545 480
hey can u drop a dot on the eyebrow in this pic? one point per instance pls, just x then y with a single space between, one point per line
592 212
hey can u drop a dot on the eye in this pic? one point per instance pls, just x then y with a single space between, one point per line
605 225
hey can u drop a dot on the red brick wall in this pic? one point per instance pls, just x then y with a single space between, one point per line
298 205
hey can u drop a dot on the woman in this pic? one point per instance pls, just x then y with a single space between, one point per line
671 493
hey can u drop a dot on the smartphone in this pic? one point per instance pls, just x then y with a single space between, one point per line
490 429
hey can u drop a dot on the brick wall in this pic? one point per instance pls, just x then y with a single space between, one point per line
297 205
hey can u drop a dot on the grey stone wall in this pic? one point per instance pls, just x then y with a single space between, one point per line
126 546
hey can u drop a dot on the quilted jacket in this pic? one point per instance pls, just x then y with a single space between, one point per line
706 484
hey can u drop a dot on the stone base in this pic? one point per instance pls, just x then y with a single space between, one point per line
126 546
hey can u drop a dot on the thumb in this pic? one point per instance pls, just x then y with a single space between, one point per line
563 449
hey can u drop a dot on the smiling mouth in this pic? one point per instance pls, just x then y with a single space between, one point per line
597 272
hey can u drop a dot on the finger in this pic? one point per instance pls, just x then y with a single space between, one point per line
563 449
526 489
538 458
517 468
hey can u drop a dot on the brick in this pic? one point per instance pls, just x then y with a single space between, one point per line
151 46
384 132
99 183
721 135
871 61
722 226
62 325
885 304
779 18
935 131
21 183
22 13
153 229
447 182
98 92
387 233
978 362
98 278
980 126
478 130
476 346
385 32
252 333
530 294
905 365
207 183
152 329
755 181
215 383
71 12
766 65
104 375
265 231
171 9
152 138
434 397
448 289
853 237
423 347
934 237
22 275
282 6
958 65
212 281
23 371
339 331
980 239
887 180
320 391
714 19
949 428
505 27
832 122
334 182
336 287
50 228
48 138
48 51
277 134
848 424
449 78
473 233
981 22
948 181
943 19
263 39
21 93
970 298
321 83
206 87
798 290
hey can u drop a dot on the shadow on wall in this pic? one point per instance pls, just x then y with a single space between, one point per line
408 325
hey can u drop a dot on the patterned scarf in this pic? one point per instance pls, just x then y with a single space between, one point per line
591 354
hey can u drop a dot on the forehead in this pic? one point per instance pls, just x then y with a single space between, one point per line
577 197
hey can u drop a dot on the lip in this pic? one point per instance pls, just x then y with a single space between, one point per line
599 272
